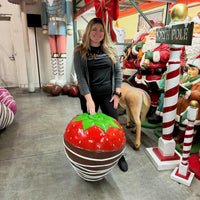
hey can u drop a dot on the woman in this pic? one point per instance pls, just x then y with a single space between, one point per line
99 73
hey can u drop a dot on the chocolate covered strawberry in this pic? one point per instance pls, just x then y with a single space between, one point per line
93 144
95 132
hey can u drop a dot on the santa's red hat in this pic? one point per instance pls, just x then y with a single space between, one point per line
157 25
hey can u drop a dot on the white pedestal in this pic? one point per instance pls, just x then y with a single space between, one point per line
166 147
181 179
165 164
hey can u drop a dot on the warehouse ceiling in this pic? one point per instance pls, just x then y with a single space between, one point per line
124 5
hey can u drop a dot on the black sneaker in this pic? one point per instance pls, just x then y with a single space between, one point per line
123 164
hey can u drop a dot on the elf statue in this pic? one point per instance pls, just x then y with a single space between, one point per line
191 81
57 18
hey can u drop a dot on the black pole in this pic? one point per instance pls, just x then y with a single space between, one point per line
140 11
37 57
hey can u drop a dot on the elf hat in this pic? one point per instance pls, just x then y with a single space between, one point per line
194 63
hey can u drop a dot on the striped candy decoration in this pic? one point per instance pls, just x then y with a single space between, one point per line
7 99
188 138
171 93
181 174
6 116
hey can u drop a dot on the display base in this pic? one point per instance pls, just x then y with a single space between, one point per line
186 180
194 165
164 164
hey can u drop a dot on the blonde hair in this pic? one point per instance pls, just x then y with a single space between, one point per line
107 46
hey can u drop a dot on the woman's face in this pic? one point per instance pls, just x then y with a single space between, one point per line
96 35
192 71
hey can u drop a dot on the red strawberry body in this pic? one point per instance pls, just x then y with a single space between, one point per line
94 137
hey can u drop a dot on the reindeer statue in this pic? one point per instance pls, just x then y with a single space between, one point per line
137 103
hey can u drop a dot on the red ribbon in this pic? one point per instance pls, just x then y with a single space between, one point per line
111 7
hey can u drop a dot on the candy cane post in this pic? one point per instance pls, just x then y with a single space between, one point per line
177 34
181 174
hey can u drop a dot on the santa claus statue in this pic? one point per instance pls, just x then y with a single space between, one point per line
152 59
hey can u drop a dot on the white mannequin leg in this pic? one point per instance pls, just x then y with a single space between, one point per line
62 78
54 64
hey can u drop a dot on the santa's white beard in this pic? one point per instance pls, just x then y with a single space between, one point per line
194 50
150 44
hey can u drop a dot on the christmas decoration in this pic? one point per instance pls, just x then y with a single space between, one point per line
93 144
8 108
181 174
108 10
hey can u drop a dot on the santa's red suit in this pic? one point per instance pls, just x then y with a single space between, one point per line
157 67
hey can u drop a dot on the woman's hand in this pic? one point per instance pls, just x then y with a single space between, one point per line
115 98
90 104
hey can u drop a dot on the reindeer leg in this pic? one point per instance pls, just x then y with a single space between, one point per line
136 116
138 135
128 119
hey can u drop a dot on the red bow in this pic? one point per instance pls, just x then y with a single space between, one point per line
111 7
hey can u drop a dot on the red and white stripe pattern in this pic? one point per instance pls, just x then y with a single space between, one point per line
188 138
7 99
6 116
171 93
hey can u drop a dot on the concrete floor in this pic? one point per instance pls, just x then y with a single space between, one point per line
33 165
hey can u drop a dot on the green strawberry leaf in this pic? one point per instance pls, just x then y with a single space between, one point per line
99 119
87 124
103 126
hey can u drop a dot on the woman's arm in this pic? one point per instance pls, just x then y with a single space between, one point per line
118 81
79 69
84 88
118 75
90 104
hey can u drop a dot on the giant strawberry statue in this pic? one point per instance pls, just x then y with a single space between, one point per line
93 144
